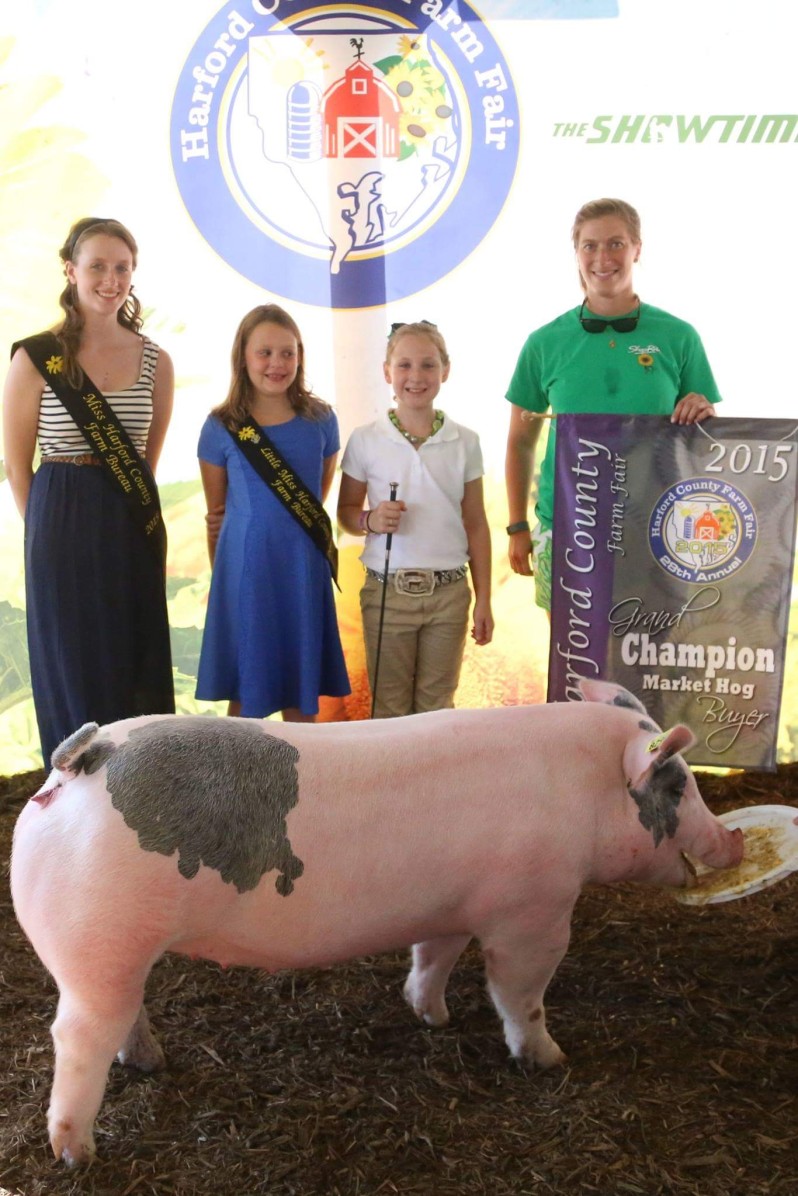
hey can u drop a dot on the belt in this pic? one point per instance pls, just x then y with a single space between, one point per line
72 459
420 581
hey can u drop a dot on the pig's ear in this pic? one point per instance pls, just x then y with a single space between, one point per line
66 756
610 694
643 758
678 739
659 782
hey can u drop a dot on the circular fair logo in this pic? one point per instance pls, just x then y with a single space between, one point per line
344 155
702 529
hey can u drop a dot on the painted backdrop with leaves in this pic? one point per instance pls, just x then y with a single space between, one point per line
706 152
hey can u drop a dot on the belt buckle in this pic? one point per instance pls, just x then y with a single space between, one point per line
418 582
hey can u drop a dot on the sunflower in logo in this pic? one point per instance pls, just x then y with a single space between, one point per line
54 364
647 362
726 521
248 434
421 90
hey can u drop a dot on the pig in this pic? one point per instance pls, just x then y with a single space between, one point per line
283 845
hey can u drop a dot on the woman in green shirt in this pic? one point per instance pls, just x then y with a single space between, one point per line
612 354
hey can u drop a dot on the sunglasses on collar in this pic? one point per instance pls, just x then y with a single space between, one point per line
621 324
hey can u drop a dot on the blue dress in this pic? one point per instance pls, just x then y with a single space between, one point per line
271 635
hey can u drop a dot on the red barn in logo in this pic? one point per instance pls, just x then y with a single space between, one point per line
361 116
707 526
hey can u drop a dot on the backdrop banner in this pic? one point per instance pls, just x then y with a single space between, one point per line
672 566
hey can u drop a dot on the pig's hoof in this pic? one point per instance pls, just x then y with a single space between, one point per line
144 1056
428 1010
69 1147
433 1018
545 1055
141 1049
84 1159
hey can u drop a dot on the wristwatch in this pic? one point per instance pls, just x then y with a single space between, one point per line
521 526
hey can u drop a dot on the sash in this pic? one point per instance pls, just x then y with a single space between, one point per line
288 487
105 436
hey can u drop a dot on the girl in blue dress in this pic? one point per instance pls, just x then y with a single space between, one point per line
271 637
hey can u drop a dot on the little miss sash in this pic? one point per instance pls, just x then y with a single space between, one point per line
288 487
105 436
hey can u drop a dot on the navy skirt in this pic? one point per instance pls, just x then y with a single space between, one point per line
98 631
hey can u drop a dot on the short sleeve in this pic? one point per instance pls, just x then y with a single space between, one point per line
331 436
212 446
696 373
352 463
526 388
474 465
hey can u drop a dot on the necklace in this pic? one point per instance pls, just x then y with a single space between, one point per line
437 424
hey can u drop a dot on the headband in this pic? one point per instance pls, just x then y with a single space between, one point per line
81 227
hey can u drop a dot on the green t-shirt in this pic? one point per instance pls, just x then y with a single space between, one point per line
644 372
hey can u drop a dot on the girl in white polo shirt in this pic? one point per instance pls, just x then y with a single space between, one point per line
439 527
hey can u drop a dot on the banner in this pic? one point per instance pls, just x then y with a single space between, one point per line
365 164
672 567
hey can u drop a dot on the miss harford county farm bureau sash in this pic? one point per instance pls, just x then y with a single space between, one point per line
105 436
288 487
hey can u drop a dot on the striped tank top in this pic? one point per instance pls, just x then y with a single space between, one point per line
58 434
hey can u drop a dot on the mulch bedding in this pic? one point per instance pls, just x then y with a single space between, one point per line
680 1025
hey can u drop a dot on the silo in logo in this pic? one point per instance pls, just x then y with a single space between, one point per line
702 529
344 156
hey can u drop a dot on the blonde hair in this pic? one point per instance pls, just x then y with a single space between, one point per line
70 330
595 209
236 407
420 328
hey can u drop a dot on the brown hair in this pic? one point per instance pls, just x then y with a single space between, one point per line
236 407
595 209
420 328
69 331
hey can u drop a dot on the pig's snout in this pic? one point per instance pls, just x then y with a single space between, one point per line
737 847
735 850
728 850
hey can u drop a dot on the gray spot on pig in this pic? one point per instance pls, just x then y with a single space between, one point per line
628 702
215 790
659 798
646 726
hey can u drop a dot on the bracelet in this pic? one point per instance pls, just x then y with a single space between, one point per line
521 526
366 523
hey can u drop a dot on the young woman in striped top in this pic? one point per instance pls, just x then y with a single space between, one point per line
98 634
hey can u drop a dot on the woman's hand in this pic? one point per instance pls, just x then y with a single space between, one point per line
520 553
482 627
692 409
386 516
353 518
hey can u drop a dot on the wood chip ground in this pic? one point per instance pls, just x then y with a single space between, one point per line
680 1025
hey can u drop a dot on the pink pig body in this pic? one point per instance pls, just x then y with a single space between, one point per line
425 830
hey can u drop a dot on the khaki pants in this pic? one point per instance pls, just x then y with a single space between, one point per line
423 638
